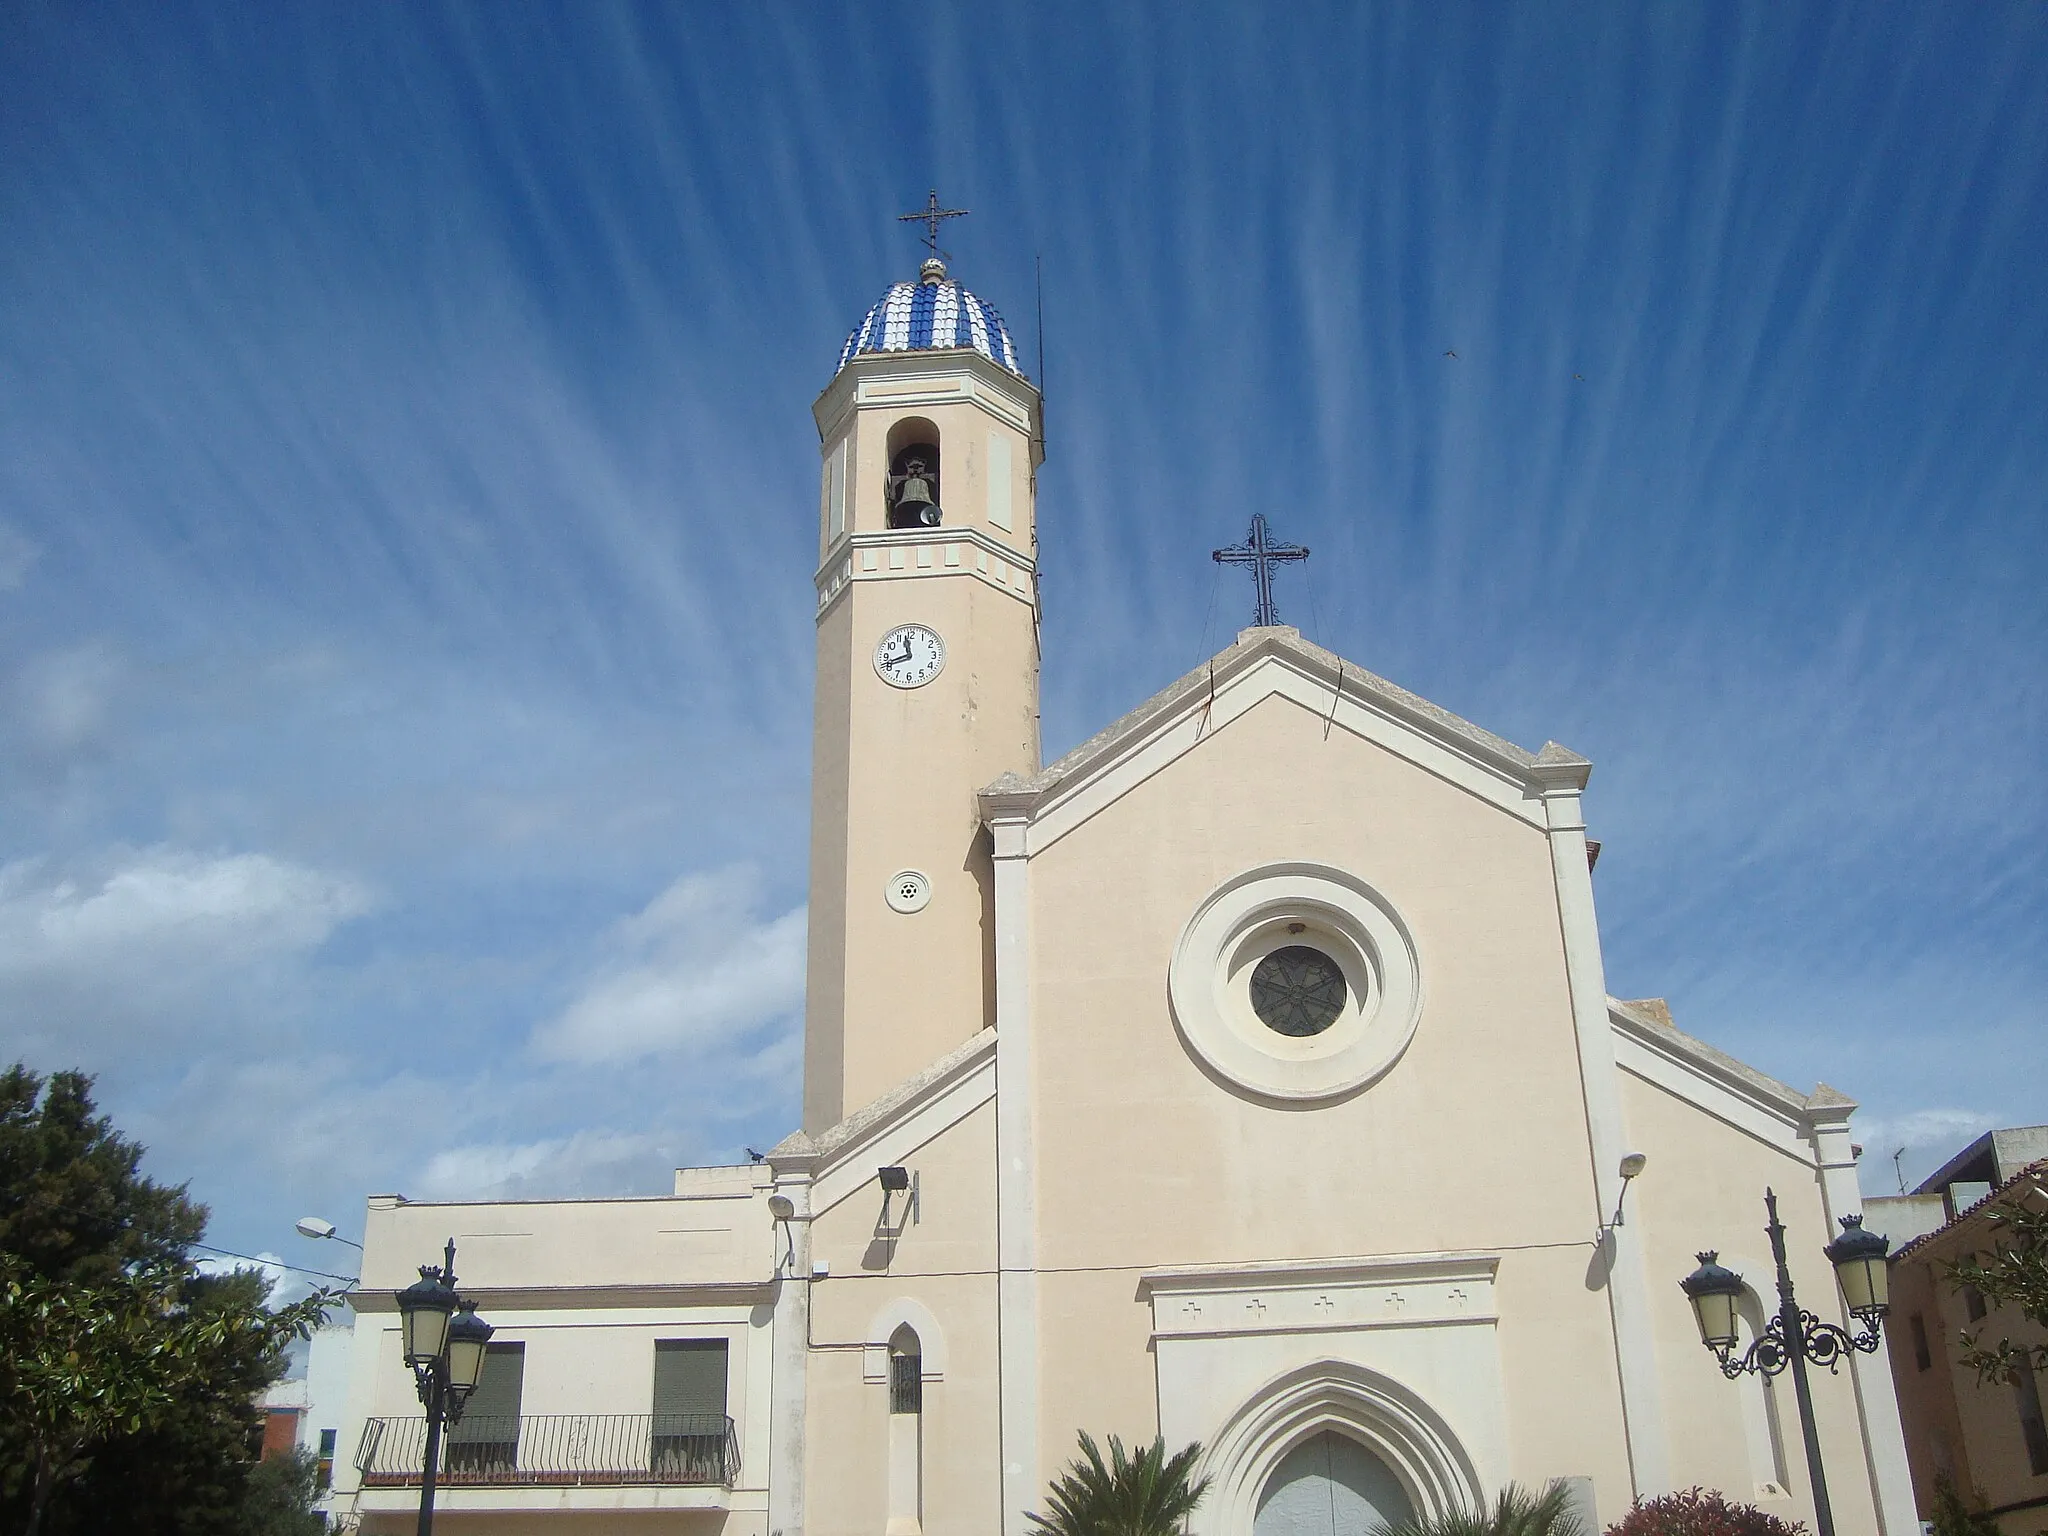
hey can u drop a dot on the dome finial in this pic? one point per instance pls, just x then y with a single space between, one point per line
929 216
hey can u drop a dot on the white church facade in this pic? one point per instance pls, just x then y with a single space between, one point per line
1247 1076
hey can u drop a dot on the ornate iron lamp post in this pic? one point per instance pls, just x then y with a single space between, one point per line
1794 1337
444 1343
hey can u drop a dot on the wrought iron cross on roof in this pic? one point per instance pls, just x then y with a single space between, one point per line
1261 553
929 216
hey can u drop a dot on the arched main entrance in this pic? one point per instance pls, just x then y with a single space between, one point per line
1330 1485
1367 1444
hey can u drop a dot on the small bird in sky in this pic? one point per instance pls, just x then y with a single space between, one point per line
1450 354
756 1157
1580 377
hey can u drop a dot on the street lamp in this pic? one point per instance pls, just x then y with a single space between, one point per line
1794 1337
320 1226
444 1341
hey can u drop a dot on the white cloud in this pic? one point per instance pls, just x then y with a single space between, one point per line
587 1162
696 966
139 956
166 904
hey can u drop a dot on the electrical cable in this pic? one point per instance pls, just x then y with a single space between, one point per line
226 1253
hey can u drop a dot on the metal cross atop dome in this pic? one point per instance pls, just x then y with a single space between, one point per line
1260 553
930 216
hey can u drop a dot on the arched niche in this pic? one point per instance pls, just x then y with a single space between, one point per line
904 1312
1391 1423
911 489
1763 1428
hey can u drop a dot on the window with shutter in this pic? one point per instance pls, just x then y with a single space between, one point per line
689 1427
486 1443
2033 1427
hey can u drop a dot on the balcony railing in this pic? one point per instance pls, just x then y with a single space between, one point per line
556 1449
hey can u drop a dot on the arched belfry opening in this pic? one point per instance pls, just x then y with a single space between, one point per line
912 491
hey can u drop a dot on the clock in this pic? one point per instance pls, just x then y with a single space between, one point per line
910 655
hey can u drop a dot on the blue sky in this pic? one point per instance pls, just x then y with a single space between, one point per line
405 409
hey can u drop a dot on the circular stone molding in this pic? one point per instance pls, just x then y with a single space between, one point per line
1279 907
908 891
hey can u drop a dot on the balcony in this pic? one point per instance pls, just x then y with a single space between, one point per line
565 1450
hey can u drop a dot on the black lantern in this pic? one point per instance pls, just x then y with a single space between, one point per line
1862 1268
424 1308
1795 1338
467 1336
444 1343
1716 1296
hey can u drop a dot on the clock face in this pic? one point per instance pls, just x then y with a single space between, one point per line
910 655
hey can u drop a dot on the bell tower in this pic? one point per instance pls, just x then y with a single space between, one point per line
927 682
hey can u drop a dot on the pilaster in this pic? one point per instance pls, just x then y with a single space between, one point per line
1016 1171
790 1393
1877 1403
1561 778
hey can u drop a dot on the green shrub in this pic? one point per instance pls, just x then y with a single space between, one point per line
1952 1516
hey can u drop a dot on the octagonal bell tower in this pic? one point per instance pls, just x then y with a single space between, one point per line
927 683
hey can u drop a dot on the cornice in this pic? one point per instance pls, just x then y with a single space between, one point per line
1451 1265
926 378
557 1298
916 554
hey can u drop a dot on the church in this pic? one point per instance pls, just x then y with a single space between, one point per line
1247 1077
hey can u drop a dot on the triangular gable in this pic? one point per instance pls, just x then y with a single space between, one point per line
1264 663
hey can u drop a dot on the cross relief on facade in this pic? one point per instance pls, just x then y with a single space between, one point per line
1396 1301
1256 1307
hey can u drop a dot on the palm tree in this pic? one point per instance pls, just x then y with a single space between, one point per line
1516 1511
1141 1495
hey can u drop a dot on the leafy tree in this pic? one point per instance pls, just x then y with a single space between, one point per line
128 1380
1700 1512
1515 1512
84 1365
73 1205
1952 1517
279 1501
2014 1274
1143 1495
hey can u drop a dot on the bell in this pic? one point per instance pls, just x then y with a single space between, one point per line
914 490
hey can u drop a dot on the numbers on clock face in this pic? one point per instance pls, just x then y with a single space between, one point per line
910 655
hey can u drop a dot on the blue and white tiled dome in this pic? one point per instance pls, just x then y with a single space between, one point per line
932 313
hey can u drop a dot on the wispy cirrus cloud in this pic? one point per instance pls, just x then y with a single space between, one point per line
406 487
